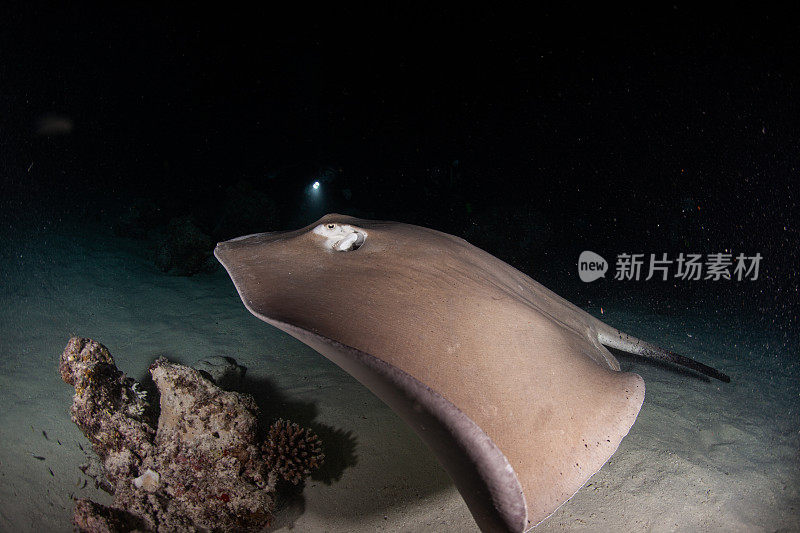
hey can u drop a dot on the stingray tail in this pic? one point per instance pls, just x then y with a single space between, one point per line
614 338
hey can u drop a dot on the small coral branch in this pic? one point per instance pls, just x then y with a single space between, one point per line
292 451
199 466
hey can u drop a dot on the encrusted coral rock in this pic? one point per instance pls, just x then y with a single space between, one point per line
91 516
202 468
208 454
292 451
79 355
109 407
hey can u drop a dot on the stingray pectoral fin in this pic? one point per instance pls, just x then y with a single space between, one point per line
480 471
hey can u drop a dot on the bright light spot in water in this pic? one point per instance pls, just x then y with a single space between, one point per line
316 185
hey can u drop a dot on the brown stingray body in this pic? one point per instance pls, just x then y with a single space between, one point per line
506 381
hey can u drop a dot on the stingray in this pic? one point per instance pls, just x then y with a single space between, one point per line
510 385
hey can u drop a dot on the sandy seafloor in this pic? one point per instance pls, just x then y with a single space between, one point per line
702 456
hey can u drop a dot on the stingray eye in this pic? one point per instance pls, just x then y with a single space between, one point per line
341 238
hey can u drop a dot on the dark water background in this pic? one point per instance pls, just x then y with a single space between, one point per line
534 135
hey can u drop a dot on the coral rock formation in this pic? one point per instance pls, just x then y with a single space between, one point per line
198 466
110 408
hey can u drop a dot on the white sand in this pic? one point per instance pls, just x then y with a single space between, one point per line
702 456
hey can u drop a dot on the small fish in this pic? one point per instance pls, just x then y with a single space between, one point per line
51 471
45 435
38 457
